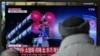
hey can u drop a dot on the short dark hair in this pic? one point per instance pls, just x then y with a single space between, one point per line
10 52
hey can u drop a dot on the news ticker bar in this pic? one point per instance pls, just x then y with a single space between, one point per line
36 50
49 3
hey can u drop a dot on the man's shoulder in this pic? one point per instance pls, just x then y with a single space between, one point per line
55 54
97 51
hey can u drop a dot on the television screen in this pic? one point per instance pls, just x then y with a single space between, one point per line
37 26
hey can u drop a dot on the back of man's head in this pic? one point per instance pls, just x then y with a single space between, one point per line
10 52
74 25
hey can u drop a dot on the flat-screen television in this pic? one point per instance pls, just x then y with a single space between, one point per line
37 25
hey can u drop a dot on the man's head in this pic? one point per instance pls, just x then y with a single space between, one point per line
73 25
10 52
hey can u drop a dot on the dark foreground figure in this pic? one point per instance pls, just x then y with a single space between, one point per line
10 52
76 40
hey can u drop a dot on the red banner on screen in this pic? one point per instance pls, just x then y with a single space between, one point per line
36 50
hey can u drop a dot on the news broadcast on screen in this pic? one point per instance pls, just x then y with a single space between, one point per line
32 27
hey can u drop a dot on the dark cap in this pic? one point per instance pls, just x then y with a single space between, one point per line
74 25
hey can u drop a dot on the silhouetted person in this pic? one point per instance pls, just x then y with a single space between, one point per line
10 52
76 40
